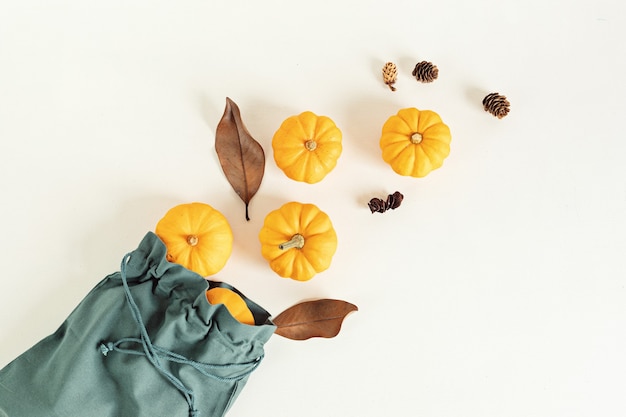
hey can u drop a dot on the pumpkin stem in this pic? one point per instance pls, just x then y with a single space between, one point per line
310 145
416 138
192 240
297 241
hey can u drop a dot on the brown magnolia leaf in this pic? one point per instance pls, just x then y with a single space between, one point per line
242 158
318 318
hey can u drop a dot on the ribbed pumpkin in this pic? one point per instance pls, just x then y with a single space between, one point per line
415 142
306 147
197 236
298 240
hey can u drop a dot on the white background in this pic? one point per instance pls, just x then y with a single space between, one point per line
496 289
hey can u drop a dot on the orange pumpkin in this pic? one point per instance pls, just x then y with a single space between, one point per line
307 147
234 302
197 236
298 240
415 142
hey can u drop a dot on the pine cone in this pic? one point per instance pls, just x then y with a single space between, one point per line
497 105
390 73
425 72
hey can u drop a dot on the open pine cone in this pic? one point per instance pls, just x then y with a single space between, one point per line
497 105
425 72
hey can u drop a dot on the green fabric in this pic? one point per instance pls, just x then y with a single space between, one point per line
73 373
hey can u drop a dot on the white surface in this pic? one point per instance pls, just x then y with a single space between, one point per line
496 289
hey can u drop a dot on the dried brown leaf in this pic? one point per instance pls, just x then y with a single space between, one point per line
318 318
241 156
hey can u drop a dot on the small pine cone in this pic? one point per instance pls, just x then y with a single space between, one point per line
497 105
390 74
425 72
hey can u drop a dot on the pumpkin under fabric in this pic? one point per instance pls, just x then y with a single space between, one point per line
298 240
307 146
233 300
415 142
197 236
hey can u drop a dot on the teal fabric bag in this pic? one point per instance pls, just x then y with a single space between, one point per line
144 342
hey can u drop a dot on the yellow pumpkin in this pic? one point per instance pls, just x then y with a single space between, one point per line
235 304
307 146
197 236
298 240
415 142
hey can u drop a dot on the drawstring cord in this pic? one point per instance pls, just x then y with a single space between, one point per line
203 368
156 354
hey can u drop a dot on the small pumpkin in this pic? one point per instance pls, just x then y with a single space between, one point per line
415 142
307 146
197 236
234 302
298 240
